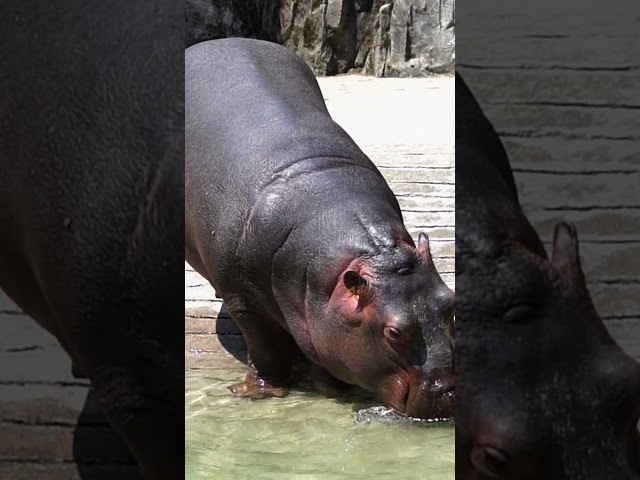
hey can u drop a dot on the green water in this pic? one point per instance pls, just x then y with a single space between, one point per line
304 435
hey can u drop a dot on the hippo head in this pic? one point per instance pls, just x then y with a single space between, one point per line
388 328
544 391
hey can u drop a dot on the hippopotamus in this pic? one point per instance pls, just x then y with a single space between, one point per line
543 389
91 203
303 239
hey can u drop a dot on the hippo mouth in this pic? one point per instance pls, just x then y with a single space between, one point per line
441 409
437 402
444 406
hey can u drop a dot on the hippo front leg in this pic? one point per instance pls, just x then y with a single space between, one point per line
271 351
133 360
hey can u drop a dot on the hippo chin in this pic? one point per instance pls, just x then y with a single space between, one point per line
545 392
302 237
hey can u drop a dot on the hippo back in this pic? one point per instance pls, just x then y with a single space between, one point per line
261 145
488 211
91 147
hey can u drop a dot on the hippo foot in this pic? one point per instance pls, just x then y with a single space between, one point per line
256 387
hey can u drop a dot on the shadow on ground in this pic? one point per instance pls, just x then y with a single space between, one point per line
230 336
98 451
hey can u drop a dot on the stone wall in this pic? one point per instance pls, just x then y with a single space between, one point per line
391 38
210 19
394 38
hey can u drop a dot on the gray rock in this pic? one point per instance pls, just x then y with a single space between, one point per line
390 38
399 38
211 19
421 38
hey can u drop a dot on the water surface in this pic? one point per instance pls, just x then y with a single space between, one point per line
304 435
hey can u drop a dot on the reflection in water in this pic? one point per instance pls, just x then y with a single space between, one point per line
304 435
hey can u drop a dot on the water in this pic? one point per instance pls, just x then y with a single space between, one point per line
304 435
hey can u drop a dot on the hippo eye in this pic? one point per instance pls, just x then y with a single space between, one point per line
488 461
392 334
519 313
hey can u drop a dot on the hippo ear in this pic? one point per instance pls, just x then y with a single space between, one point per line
356 283
423 246
566 254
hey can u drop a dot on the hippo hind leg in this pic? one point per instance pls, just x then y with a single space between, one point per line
271 352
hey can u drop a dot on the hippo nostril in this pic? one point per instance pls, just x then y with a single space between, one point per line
433 396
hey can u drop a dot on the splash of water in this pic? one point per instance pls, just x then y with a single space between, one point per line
389 415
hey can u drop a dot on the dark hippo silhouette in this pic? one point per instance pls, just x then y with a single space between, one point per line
91 202
544 392
301 236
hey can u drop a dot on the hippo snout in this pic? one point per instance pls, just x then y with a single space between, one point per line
442 386
433 397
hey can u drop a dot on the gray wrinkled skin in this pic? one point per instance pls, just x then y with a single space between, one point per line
302 237
91 202
543 390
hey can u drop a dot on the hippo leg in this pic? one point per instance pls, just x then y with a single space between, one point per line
134 359
327 383
134 405
271 352
143 426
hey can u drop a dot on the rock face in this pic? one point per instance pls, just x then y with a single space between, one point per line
386 38
392 38
210 19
